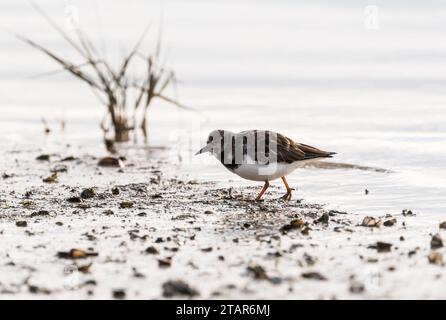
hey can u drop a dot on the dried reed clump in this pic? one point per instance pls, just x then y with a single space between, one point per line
126 98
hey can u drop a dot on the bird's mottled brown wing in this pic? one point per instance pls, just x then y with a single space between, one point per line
289 151
312 152
270 145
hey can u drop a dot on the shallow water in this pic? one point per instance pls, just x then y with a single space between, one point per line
309 70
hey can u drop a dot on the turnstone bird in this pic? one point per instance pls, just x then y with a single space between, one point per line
261 155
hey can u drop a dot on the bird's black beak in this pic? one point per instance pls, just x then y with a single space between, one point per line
205 149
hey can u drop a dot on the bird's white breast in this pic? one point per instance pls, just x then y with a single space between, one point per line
267 172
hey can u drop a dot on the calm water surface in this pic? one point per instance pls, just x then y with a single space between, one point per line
310 70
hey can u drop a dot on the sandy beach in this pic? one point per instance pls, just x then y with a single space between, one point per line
140 232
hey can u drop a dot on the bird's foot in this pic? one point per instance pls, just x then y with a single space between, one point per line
287 196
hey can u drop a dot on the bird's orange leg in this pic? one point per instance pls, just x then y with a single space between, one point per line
262 191
287 196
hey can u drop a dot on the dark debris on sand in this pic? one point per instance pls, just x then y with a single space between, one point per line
76 254
179 288
381 246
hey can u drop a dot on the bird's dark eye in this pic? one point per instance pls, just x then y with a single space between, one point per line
210 140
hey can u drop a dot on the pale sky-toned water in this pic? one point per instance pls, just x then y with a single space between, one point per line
310 70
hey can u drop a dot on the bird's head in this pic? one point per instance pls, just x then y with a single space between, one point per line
214 142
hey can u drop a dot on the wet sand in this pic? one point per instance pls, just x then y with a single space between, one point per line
146 231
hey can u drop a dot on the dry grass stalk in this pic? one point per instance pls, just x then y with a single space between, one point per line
113 87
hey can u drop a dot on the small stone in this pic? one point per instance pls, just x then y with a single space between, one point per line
258 272
152 250
313 276
389 223
435 258
40 213
406 212
178 288
74 200
88 193
297 223
43 157
84 268
309 260
371 222
293 225
69 158
126 205
436 242
52 178
90 282
443 225
412 252
323 219
357 287
306 231
108 212
76 254
27 204
21 224
381 246
164 263
111 162
59 168
119 294
7 175
38 290
138 274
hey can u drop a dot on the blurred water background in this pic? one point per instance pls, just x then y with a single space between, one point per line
320 72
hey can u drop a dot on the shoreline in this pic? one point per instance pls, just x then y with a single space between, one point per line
171 237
